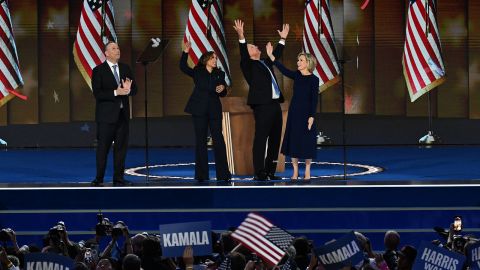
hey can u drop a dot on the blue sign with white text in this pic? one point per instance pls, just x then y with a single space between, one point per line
340 253
177 236
47 261
431 257
473 256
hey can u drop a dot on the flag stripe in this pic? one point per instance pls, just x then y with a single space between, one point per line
320 43
89 42
10 76
196 32
263 238
422 59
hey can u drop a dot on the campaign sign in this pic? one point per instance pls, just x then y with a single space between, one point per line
46 261
177 236
431 257
473 256
343 252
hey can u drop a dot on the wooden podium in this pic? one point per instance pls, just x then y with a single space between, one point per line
238 132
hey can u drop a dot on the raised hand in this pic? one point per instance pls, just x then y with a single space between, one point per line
269 49
239 28
187 46
284 33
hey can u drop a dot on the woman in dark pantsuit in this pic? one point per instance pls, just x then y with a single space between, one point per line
299 140
206 110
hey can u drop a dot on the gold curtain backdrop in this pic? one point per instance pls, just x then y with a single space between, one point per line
370 42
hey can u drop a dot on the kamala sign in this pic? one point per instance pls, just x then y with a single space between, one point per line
340 253
47 261
177 236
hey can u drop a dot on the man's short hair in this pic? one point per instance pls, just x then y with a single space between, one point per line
108 43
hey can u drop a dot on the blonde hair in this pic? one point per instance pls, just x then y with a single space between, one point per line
311 61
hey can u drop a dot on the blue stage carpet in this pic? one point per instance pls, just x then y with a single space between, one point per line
175 165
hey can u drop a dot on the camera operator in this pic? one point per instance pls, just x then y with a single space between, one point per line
455 240
58 242
113 249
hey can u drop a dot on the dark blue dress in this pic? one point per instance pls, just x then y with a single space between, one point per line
298 141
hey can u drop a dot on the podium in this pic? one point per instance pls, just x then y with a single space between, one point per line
239 130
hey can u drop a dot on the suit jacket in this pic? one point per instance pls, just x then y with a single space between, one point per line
258 77
107 108
204 100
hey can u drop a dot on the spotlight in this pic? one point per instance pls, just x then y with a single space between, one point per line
209 141
429 138
323 139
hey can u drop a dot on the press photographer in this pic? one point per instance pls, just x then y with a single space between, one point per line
57 241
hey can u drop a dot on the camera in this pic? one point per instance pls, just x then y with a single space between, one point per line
117 230
5 234
88 256
55 232
104 226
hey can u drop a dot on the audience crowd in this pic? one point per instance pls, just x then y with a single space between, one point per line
113 247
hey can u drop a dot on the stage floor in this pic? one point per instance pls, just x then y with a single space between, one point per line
364 165
407 189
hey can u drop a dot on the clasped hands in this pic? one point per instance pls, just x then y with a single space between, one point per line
124 88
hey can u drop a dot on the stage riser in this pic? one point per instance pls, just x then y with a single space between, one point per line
319 213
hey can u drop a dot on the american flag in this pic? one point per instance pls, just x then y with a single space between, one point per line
318 40
96 28
205 32
10 77
422 55
262 237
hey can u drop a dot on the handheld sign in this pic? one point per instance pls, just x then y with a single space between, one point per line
473 256
177 236
343 252
46 261
431 257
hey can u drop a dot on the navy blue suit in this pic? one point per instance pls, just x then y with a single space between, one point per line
266 110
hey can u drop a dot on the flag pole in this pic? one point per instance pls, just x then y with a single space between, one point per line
429 138
321 137
209 13
102 29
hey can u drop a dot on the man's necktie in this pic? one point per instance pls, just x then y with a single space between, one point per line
115 73
274 82
117 78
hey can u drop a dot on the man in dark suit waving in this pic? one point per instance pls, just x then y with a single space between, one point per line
264 97
112 84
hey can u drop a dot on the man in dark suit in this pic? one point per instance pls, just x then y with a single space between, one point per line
264 97
112 84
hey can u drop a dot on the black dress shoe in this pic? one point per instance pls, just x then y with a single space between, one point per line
96 183
272 176
121 183
260 177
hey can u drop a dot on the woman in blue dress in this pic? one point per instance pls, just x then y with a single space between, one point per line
299 140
